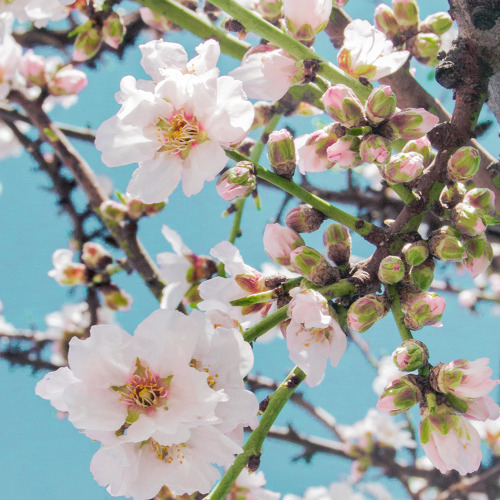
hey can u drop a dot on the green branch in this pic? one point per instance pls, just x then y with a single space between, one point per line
270 321
398 313
253 447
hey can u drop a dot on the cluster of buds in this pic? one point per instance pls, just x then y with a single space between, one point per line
51 74
364 133
129 208
402 25
91 35
95 269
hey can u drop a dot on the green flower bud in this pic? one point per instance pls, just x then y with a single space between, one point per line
479 254
467 220
438 23
425 309
406 13
403 167
113 30
114 210
281 153
88 41
304 219
411 355
415 253
445 244
237 182
375 149
381 103
452 195
385 20
400 396
482 200
337 241
463 164
313 266
422 275
425 47
391 270
422 146
366 311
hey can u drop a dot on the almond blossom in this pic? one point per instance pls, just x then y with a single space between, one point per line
313 335
173 125
367 53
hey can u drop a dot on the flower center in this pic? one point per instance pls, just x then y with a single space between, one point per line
169 454
317 335
177 134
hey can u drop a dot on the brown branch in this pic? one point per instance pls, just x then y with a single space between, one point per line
125 235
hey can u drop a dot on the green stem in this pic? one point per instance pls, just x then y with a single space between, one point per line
398 313
342 288
359 226
253 447
193 22
404 192
256 298
270 321
274 35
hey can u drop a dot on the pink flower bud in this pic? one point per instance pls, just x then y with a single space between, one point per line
343 105
345 152
375 149
462 378
304 219
415 253
87 42
67 81
381 104
481 199
425 309
116 299
438 23
279 241
95 256
412 123
403 167
425 48
113 30
337 241
406 13
385 20
444 243
391 270
304 20
467 220
32 67
421 146
281 153
479 255
67 272
411 355
366 311
463 164
400 396
313 266
237 182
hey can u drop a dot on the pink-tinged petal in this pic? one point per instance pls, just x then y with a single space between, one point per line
155 180
173 294
123 144
53 385
175 241
482 408
386 65
204 162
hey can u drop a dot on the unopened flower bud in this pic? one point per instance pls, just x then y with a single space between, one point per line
479 255
391 270
343 105
403 167
113 30
95 256
237 182
114 210
67 81
411 355
463 164
345 152
415 253
281 153
467 220
406 13
313 266
366 311
412 123
422 146
481 199
305 20
385 20
444 243
116 299
153 208
400 396
279 241
438 23
88 41
425 309
337 241
304 219
452 195
425 47
381 104
422 275
375 149
32 67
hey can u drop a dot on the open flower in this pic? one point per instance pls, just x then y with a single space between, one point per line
174 129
